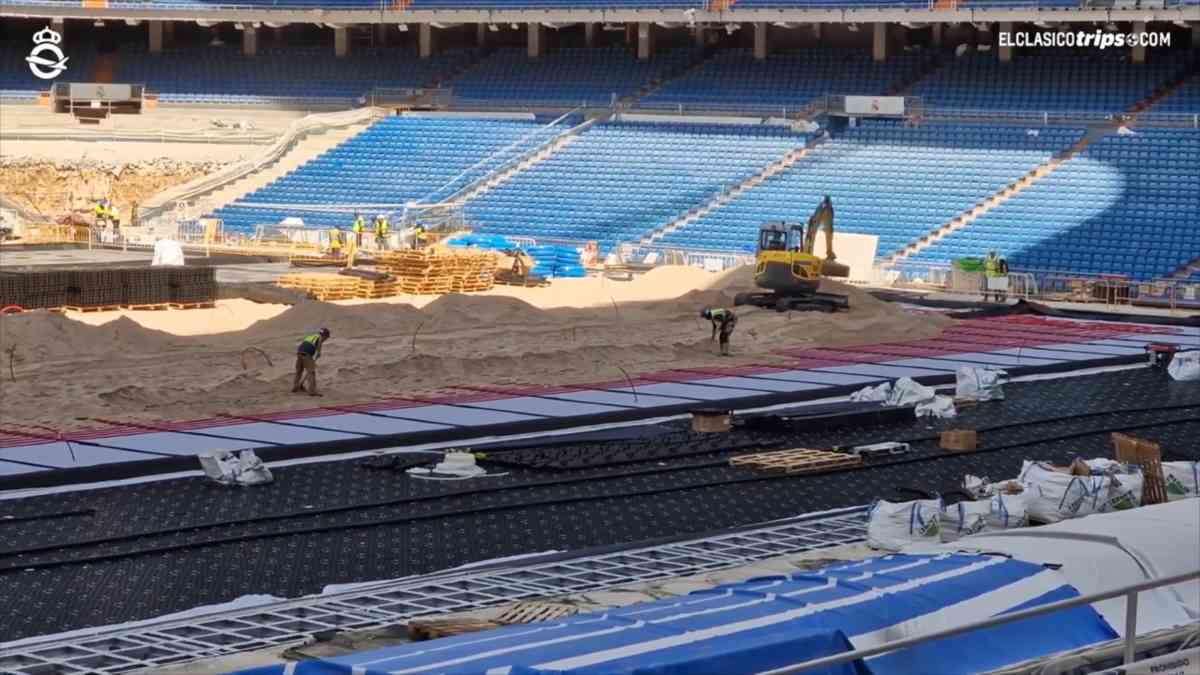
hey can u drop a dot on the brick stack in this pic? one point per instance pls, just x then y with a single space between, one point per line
192 285
109 288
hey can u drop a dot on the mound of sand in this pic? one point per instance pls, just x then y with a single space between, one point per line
119 369
42 336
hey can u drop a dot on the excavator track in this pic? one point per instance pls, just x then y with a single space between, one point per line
815 302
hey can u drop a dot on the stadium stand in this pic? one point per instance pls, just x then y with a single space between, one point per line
563 77
555 4
1126 205
1047 80
396 160
733 79
1185 99
17 83
619 180
895 182
222 75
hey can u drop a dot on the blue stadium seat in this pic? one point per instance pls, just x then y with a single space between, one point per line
1126 205
619 180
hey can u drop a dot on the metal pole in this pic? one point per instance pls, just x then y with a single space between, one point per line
1131 610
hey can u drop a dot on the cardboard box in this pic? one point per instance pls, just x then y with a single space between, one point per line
711 421
960 439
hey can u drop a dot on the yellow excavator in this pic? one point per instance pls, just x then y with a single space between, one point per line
787 266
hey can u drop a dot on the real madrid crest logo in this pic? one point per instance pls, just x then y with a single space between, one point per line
46 59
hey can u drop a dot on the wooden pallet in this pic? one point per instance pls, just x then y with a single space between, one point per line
154 307
91 308
192 305
799 460
534 611
432 629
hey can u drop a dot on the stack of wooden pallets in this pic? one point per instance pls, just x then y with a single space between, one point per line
326 286
322 286
799 460
436 271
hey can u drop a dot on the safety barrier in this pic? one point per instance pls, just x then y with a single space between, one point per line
1131 604
1053 285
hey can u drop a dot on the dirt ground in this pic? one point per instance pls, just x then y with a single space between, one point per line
53 189
175 365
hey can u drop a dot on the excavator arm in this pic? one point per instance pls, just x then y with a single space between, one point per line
821 218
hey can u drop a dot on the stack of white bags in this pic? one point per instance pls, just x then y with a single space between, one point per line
1040 493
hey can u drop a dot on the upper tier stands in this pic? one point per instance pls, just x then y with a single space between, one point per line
619 180
1050 81
733 79
1126 205
222 75
396 160
894 182
562 77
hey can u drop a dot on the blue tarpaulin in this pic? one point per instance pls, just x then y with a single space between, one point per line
769 622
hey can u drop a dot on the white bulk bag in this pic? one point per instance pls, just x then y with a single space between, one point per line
1182 479
1185 367
979 384
1006 512
1055 496
893 525
964 518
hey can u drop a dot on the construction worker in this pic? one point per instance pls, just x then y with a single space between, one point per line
994 278
723 322
307 354
418 236
101 213
357 228
381 231
335 240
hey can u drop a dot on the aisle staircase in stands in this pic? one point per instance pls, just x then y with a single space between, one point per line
1000 197
302 152
1046 168
1187 271
733 193
536 156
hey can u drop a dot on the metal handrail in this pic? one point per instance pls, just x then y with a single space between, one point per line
1130 592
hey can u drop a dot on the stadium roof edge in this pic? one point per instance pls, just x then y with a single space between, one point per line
369 16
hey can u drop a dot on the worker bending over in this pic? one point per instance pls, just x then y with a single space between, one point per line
723 322
381 232
307 354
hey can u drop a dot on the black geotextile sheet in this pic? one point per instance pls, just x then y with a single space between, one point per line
102 556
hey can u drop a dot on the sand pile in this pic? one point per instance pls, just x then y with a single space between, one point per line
43 336
121 370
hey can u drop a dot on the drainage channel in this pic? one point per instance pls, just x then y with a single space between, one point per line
159 643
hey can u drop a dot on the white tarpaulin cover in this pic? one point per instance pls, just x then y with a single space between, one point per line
1105 551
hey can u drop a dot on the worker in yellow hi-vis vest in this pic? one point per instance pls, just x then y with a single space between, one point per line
357 228
335 240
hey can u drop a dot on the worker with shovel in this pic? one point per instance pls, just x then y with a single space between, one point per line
307 354
723 322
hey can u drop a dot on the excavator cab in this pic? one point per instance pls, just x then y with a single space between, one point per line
780 237
786 265
782 264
